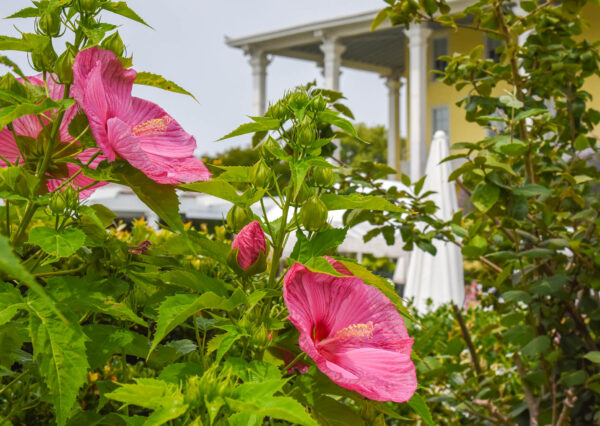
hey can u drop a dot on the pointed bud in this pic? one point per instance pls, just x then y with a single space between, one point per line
250 249
57 203
238 217
306 136
313 214
64 67
114 43
88 6
49 24
323 176
261 175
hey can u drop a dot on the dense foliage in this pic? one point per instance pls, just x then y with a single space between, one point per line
534 228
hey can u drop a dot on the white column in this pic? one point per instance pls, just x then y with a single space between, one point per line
259 62
417 96
152 219
332 51
393 84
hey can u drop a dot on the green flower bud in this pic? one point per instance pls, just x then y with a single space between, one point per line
71 197
261 175
238 217
278 111
88 6
260 338
323 176
306 136
64 67
313 214
57 204
49 24
299 99
114 43
269 147
44 60
320 103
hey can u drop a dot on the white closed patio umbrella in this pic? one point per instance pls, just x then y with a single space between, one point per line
440 277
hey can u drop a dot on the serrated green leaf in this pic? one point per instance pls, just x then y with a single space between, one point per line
62 243
260 126
318 244
28 12
59 351
162 199
236 174
4 60
11 302
10 113
227 341
359 201
283 408
155 80
334 119
418 404
121 8
593 356
106 340
224 190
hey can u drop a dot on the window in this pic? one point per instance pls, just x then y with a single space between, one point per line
440 119
439 47
491 49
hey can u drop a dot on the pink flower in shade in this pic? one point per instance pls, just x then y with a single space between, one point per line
139 131
352 331
30 126
250 243
287 356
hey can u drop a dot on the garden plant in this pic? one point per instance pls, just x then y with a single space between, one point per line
109 323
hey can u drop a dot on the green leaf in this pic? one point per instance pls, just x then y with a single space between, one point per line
121 8
283 408
62 243
230 337
10 113
516 296
359 201
418 404
164 398
333 118
178 308
318 244
155 80
380 18
209 248
28 12
176 373
11 302
162 199
529 113
4 60
59 351
236 174
593 356
106 340
224 190
531 190
536 347
10 265
344 110
259 126
379 283
581 142
485 196
511 101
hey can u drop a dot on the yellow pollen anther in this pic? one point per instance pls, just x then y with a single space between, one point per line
155 126
358 331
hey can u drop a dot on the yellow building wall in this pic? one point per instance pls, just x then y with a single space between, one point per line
462 41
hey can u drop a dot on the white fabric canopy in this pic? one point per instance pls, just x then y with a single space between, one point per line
440 277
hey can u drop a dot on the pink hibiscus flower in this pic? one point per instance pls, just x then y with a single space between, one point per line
139 131
352 331
30 126
250 243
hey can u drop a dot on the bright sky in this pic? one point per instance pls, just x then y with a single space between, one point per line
187 46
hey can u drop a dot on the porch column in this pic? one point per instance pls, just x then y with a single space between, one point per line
332 51
393 152
259 62
417 96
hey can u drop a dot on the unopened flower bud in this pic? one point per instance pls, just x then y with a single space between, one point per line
269 147
260 337
114 43
299 99
323 176
238 217
305 136
44 60
313 214
320 103
249 250
261 175
57 204
64 67
88 6
278 111
71 197
49 24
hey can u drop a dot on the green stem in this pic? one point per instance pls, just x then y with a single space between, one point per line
61 272
13 381
7 207
277 250
78 172
295 360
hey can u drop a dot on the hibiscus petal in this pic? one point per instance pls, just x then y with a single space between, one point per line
8 147
375 373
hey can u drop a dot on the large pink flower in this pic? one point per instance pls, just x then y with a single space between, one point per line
352 331
30 126
132 128
250 243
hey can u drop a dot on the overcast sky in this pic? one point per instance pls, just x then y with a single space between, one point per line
187 46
